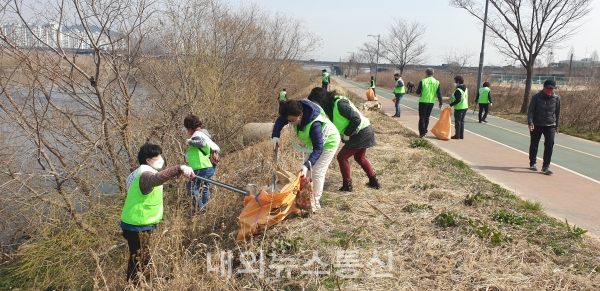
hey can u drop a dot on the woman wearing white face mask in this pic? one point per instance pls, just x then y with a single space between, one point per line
143 208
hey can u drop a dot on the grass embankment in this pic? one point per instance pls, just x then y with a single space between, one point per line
440 224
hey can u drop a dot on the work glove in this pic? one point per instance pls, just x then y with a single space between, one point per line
187 141
304 171
187 171
275 143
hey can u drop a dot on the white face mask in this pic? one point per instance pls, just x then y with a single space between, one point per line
158 164
455 84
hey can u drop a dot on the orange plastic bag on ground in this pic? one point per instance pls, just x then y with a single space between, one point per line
264 209
443 128
371 95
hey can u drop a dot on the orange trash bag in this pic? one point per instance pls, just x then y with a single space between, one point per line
264 209
371 95
443 128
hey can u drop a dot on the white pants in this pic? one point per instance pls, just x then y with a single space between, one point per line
318 173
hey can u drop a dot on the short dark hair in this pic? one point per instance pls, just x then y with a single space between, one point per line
396 75
192 122
486 84
148 151
317 94
459 79
290 108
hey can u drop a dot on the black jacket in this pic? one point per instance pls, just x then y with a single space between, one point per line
544 110
359 139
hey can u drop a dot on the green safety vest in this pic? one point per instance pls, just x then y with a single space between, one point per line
142 209
197 159
464 101
484 94
325 77
330 134
399 89
341 122
283 96
372 84
429 88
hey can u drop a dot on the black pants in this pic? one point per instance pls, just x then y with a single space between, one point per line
459 122
424 113
409 89
139 253
325 85
536 135
483 108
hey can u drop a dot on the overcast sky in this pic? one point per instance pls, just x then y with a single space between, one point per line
344 25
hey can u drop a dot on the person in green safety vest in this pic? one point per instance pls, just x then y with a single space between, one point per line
282 96
484 99
372 85
143 208
325 79
427 89
316 131
460 102
350 122
200 148
398 93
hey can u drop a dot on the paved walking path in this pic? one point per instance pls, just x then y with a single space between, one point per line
499 151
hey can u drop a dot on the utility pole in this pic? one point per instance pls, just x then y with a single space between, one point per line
377 61
480 72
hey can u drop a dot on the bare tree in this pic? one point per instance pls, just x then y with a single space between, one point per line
368 52
458 59
523 30
402 45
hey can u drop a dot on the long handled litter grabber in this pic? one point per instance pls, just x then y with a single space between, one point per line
228 187
275 169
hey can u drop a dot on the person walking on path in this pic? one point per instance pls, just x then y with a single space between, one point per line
200 148
398 93
325 80
410 86
352 124
484 99
543 118
143 208
428 88
316 131
282 97
460 101
372 85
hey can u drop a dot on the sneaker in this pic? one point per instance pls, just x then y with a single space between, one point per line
484 121
546 170
422 136
533 167
398 116
455 137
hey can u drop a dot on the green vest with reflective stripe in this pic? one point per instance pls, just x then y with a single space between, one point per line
372 84
484 94
341 122
325 77
429 88
142 209
197 159
399 89
331 136
283 96
464 101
